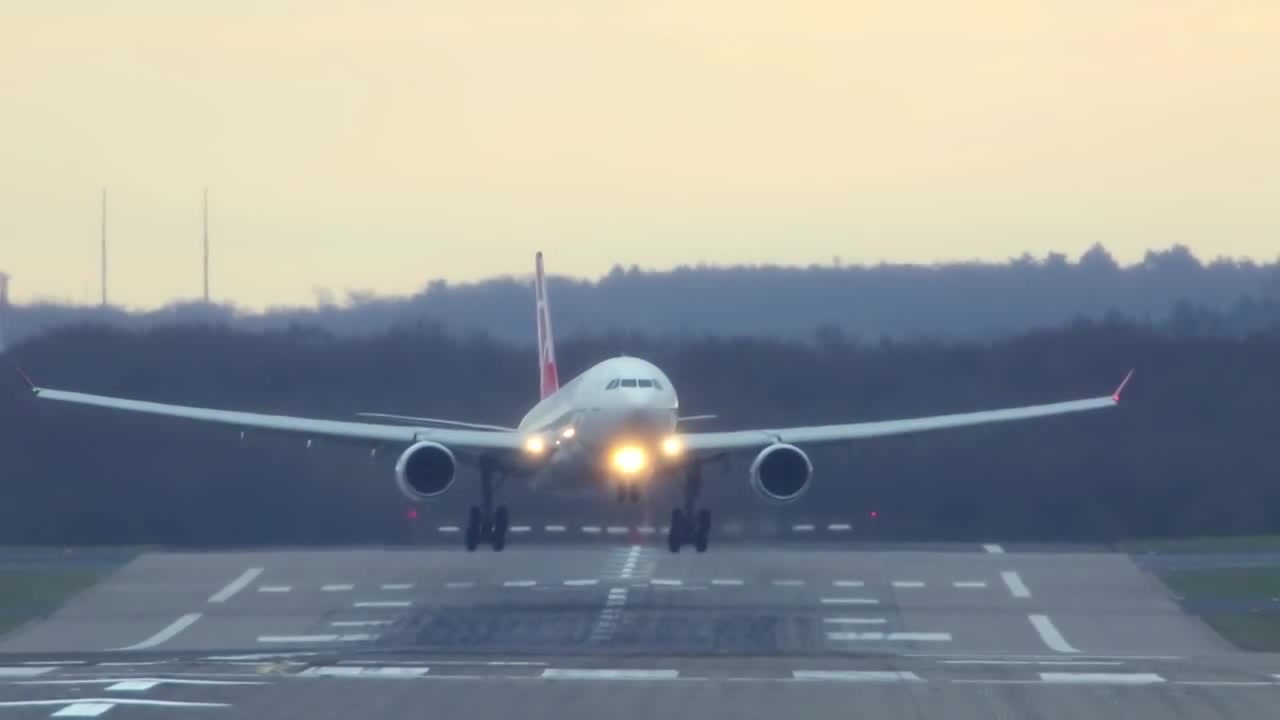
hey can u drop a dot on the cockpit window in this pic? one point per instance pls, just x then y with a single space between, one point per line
645 383
657 384
612 384
628 383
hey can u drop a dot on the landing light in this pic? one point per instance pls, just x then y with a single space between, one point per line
568 433
629 460
534 445
672 446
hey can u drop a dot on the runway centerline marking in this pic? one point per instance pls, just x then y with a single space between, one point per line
554 528
591 529
383 604
848 583
1015 584
274 588
855 620
892 636
726 581
849 601
519 583
788 583
608 674
236 585
359 623
908 583
281 639
1102 678
833 527
993 549
448 528
1050 635
337 588
969 584
459 585
803 527
166 634
857 675
397 586
580 583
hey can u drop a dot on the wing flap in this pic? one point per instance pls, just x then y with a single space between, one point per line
856 431
478 439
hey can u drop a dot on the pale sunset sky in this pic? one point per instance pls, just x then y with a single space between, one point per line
376 145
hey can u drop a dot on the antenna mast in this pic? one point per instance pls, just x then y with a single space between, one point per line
104 247
206 246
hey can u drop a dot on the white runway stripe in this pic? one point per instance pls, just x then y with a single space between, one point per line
1050 635
848 583
726 581
660 581
577 583
908 584
519 528
1102 678
1014 581
282 639
788 583
554 528
166 634
835 527
359 623
383 604
448 528
993 549
591 529
337 588
274 588
603 674
397 586
519 583
617 530
857 675
803 527
855 620
236 585
350 671
969 584
459 585
646 529
10 672
850 601
892 636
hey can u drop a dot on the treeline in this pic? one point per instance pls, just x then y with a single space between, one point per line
949 301
1190 451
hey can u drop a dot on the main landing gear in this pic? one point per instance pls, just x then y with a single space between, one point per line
690 525
628 492
485 524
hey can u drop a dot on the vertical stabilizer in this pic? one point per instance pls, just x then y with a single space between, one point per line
550 381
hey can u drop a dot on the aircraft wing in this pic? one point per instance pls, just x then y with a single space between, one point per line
710 442
309 427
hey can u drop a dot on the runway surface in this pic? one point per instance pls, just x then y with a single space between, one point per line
623 626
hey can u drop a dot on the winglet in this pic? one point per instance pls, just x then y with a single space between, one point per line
1115 396
27 378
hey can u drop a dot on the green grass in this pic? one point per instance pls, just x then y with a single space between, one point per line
29 593
1226 544
1259 631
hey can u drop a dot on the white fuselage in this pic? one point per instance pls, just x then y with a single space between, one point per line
620 403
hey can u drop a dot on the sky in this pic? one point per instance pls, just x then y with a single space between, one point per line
377 145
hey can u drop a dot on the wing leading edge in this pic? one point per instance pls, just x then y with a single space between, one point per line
461 439
747 439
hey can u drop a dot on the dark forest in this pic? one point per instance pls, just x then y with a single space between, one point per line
1189 451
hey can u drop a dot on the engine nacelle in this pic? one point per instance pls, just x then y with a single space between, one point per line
781 472
425 470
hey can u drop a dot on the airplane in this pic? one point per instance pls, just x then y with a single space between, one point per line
616 423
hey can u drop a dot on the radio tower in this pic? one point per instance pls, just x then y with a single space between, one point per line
104 247
4 308
206 246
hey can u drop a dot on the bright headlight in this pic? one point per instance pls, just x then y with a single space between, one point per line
534 445
629 460
672 446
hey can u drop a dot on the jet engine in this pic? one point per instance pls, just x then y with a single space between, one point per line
425 470
781 472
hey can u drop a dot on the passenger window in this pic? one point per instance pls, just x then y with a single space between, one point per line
646 383
628 383
612 384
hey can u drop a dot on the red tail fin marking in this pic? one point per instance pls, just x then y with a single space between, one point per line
550 380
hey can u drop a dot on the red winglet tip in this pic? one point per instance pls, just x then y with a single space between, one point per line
1115 396
25 377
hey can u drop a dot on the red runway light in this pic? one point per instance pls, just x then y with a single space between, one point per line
874 514
411 513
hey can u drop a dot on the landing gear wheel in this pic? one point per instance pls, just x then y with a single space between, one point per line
501 521
475 528
702 531
676 535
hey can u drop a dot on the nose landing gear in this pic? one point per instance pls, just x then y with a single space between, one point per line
484 522
688 524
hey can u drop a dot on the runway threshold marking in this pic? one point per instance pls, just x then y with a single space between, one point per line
1014 582
1104 678
608 674
607 623
236 585
857 675
168 633
1050 635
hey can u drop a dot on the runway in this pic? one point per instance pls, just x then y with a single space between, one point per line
557 629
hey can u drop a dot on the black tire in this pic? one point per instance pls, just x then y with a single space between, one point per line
676 535
702 532
474 529
501 521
